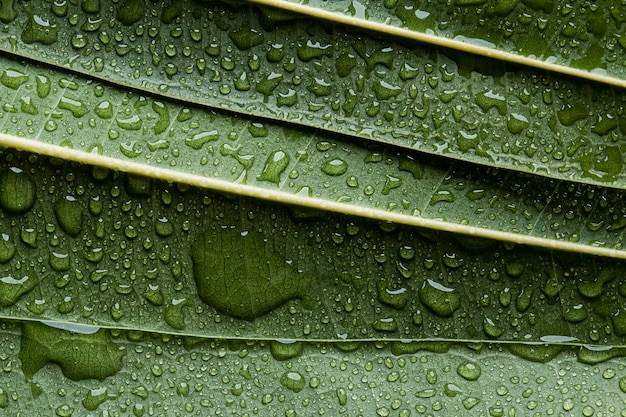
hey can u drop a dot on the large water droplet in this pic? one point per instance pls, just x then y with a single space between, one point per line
13 78
11 289
443 301
17 191
335 167
241 274
275 164
79 351
7 248
40 30
293 380
131 11
69 214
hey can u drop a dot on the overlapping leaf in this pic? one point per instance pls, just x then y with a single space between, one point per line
304 72
160 373
126 251
74 118
579 38
137 255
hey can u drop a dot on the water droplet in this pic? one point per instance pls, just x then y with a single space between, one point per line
104 110
524 298
335 167
246 37
293 380
240 274
78 108
536 352
275 164
17 191
469 370
267 85
11 289
7 11
175 314
131 11
13 78
40 30
27 106
571 113
283 350
7 248
387 324
69 215
443 301
199 139
384 91
164 117
593 286
95 397
80 352
132 122
394 298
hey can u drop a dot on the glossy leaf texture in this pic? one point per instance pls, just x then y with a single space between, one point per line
83 244
577 38
75 118
161 374
303 71
128 287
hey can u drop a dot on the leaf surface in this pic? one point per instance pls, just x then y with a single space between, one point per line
574 38
255 62
101 125
162 372
117 250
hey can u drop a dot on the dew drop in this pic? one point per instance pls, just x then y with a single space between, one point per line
78 108
335 167
240 274
198 140
11 289
293 380
17 191
283 350
80 352
7 11
441 300
69 215
7 248
13 78
469 370
131 11
40 30
275 165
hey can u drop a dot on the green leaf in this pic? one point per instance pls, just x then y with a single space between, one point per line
307 73
98 124
581 39
114 286
122 251
195 376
